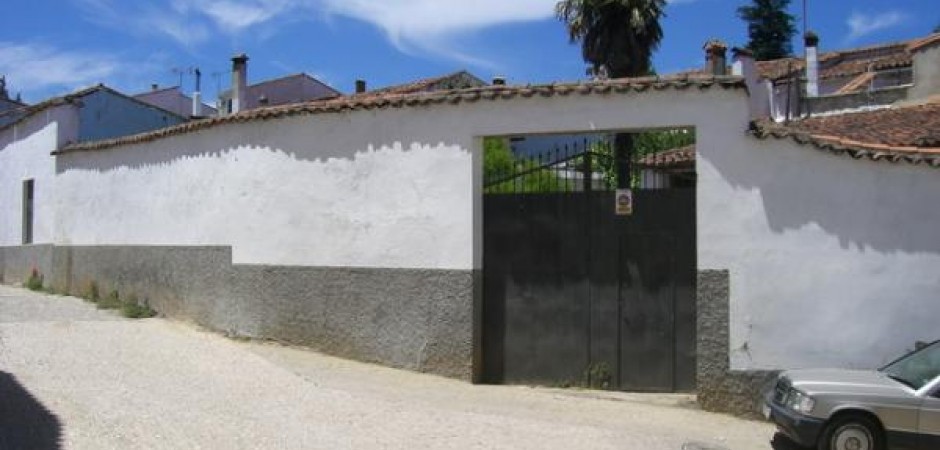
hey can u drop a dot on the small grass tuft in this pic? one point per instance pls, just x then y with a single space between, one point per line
111 301
34 282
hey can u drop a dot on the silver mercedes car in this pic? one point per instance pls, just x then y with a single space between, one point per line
895 407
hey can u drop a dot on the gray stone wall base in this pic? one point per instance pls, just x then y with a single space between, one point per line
414 319
719 388
16 263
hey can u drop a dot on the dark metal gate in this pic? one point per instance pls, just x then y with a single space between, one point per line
576 295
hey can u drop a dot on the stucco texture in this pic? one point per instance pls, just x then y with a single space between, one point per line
718 387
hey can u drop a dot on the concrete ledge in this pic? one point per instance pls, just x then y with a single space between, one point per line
414 319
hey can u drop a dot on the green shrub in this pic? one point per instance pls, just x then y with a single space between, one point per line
34 282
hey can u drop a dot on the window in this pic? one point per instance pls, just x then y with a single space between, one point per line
28 191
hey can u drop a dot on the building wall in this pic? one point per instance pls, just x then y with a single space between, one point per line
926 72
105 115
819 260
832 261
25 153
364 228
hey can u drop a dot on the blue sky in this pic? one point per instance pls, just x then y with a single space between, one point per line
51 47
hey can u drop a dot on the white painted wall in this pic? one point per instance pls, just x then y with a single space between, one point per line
387 188
833 261
25 154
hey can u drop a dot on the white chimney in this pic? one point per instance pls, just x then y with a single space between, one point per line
812 64
239 82
760 91
197 95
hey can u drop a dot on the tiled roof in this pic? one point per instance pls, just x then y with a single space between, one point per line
844 63
921 43
394 100
456 80
287 78
29 111
900 134
677 157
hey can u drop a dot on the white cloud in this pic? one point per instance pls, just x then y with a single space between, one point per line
38 68
432 25
188 22
862 24
233 16
145 20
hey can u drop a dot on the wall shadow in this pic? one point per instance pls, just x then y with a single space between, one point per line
867 205
24 422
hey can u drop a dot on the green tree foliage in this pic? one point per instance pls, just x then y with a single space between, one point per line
617 36
770 28
498 160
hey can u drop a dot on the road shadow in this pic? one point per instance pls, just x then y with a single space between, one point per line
781 442
25 424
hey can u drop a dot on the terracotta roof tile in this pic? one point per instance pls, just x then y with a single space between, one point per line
396 100
907 133
677 157
921 43
844 63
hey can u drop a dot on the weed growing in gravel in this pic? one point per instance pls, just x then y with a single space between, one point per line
132 309
90 292
34 282
111 301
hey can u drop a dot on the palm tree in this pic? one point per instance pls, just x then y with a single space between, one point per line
618 38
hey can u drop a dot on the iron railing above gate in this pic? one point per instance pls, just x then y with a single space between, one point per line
577 167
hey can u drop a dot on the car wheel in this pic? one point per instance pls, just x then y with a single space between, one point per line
851 432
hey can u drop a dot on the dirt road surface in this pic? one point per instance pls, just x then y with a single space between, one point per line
74 377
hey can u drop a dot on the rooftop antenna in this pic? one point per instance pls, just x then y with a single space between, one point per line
217 76
179 72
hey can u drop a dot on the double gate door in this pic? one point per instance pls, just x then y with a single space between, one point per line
576 295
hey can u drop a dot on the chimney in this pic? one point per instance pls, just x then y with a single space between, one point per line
197 94
760 91
499 81
360 86
717 63
812 64
239 82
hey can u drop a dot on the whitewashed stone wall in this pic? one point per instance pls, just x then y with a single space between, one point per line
833 262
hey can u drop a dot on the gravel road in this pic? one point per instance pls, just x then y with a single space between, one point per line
73 377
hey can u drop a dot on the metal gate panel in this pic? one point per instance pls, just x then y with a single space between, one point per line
575 294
